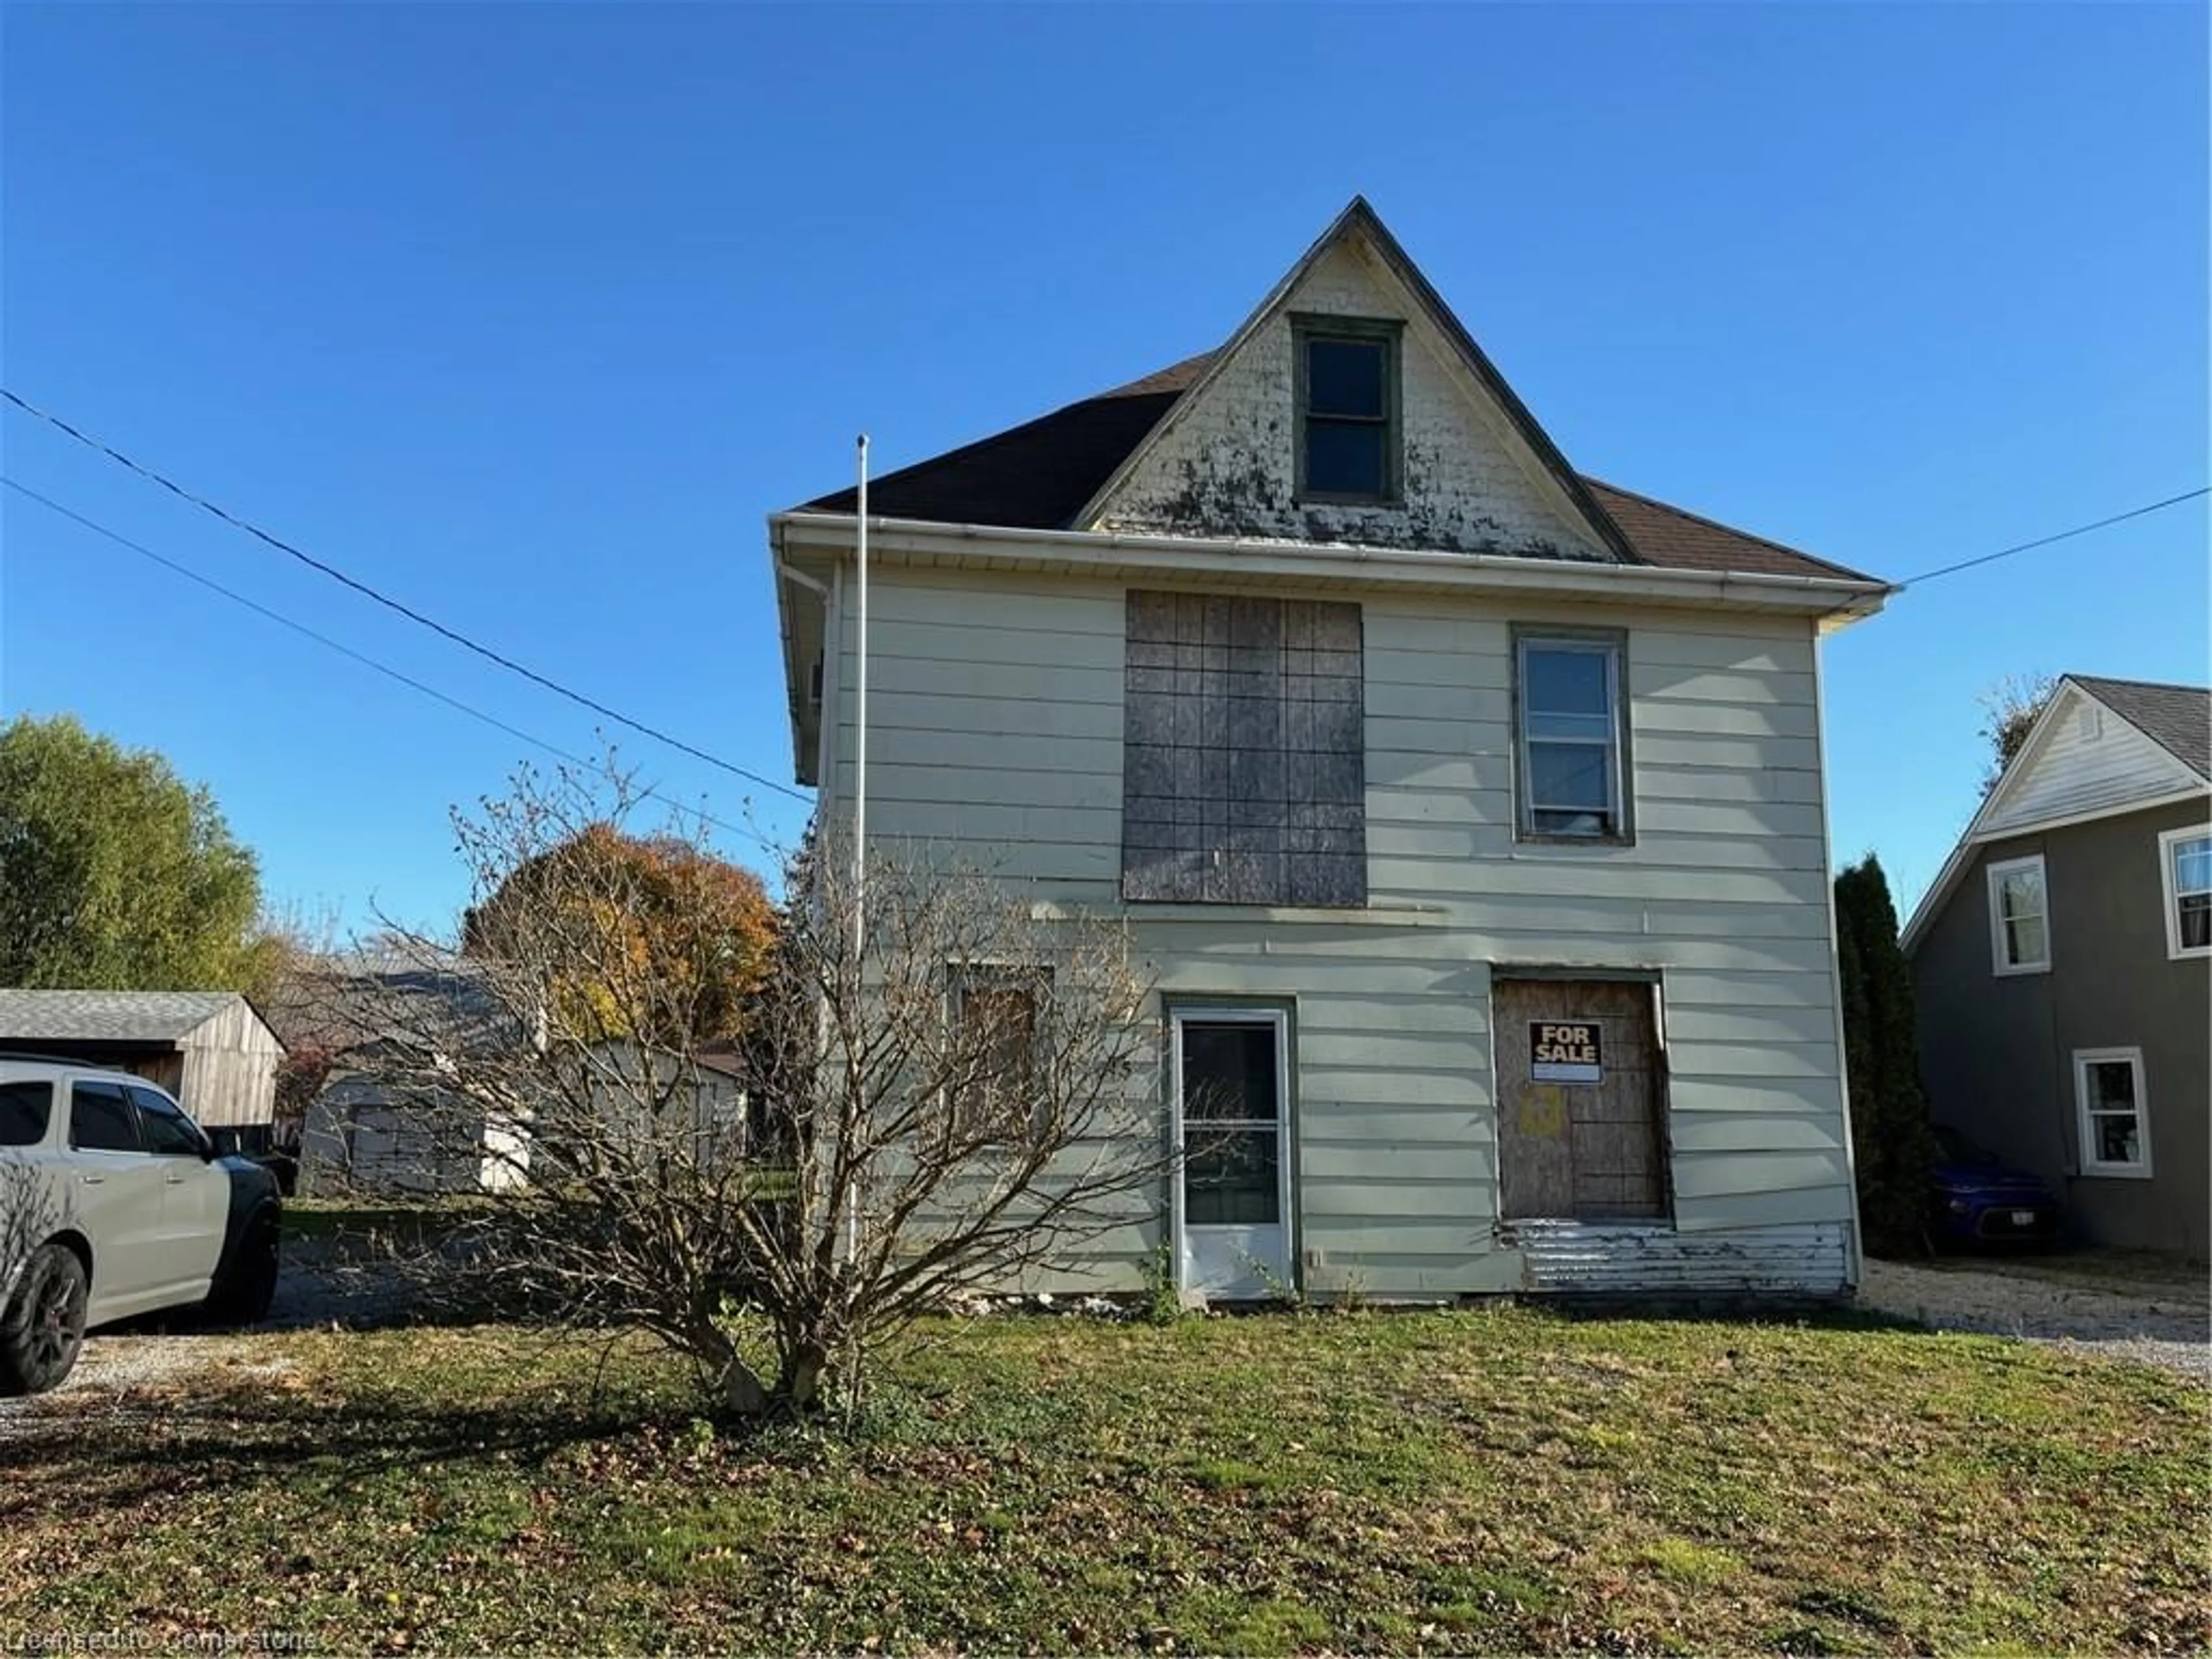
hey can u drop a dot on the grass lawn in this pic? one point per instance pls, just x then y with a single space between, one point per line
1506 1479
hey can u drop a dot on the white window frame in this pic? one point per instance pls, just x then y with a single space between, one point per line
2091 1164
1999 963
2168 844
1612 649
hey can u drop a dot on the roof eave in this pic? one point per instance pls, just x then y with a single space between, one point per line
1836 600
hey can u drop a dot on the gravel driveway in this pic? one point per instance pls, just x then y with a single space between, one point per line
2165 1324
120 1364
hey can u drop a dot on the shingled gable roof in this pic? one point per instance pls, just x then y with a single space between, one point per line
1048 473
2178 718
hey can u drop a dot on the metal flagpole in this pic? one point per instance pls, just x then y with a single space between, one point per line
861 725
860 811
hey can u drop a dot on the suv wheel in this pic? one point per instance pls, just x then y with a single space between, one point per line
248 1285
42 1329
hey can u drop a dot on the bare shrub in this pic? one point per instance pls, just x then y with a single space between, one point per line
938 1091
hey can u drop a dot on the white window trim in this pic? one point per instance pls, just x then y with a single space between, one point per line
2091 1165
1997 872
2175 949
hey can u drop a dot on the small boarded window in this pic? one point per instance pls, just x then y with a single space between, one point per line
1243 776
1580 1133
994 1053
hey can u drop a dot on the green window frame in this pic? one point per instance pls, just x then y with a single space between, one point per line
1386 335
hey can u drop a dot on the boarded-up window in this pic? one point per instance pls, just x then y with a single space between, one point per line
994 1052
1243 767
1579 1128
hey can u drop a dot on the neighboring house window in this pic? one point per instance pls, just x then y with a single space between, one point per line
2108 1089
994 1051
2020 917
1244 760
1348 409
2184 862
1572 777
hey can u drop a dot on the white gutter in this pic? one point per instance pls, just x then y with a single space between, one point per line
1195 554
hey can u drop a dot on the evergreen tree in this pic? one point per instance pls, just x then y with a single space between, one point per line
1891 1140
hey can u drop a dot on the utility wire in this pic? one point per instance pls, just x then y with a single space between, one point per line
2063 535
344 650
389 603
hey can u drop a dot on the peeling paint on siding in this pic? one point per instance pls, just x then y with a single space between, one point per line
1226 468
1651 1258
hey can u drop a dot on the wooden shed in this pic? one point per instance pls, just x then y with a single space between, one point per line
211 1049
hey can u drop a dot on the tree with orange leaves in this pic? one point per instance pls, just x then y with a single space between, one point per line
646 936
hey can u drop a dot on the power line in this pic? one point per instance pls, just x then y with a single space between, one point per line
344 650
389 603
2045 541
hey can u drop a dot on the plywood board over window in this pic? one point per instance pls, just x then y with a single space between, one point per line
1591 1150
1243 751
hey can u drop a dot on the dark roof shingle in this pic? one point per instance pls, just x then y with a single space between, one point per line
1038 476
2178 717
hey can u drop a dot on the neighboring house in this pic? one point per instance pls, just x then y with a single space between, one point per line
2063 963
210 1049
1468 810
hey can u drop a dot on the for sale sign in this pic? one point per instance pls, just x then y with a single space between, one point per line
1564 1051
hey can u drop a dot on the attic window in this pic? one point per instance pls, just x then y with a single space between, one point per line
1348 409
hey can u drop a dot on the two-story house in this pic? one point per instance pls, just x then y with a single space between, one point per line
2063 963
1468 810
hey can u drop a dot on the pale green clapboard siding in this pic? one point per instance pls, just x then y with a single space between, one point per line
995 733
1735 1023
1703 1132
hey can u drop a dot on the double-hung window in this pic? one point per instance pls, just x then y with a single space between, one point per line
2020 917
1348 409
1572 774
2184 862
2115 1112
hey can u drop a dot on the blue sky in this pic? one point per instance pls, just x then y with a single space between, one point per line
530 313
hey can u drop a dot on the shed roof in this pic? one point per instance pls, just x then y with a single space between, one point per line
2179 718
108 1016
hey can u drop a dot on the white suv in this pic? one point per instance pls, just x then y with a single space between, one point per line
113 1202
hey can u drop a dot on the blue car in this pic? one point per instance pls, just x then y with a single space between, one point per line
1978 1199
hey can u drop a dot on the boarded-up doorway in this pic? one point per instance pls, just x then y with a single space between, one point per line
1580 1121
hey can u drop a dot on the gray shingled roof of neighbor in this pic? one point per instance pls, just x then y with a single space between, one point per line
27 1017
2178 717
1039 475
